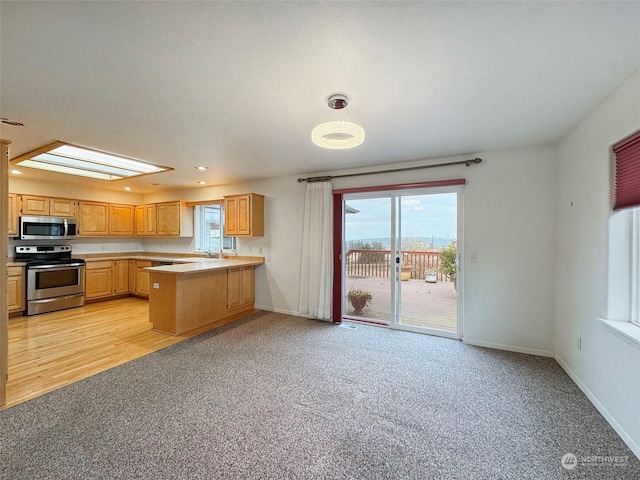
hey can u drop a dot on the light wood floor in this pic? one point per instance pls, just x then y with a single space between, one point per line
54 349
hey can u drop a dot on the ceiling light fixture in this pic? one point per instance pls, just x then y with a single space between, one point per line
338 134
127 189
70 159
16 172
201 168
202 183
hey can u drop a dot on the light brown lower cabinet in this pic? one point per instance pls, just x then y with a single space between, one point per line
106 278
98 279
15 289
142 278
132 276
240 287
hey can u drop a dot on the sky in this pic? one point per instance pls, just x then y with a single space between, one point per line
433 215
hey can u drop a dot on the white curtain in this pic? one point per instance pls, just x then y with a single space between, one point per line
316 274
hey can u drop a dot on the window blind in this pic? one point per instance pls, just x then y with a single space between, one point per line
627 172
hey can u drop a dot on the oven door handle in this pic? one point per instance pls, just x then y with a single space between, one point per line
51 268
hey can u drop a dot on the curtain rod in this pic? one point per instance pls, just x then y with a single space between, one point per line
468 163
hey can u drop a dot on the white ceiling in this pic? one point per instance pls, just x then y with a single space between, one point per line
238 86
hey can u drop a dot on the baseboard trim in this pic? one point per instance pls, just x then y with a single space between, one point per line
509 348
635 448
277 310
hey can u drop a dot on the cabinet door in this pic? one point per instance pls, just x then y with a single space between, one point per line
231 216
168 218
120 276
15 289
248 286
234 288
132 276
32 205
244 215
13 214
98 282
146 220
93 219
140 220
62 207
121 220
142 278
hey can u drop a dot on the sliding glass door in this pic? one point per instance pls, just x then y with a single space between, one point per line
400 257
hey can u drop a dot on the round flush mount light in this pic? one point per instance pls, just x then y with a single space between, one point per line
202 183
338 134
127 189
201 168
16 172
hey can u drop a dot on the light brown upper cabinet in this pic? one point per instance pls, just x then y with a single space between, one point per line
146 220
33 205
244 215
121 220
93 219
14 213
174 219
62 207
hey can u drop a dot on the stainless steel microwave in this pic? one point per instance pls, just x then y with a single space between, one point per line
47 228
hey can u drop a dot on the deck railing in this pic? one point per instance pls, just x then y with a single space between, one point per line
375 263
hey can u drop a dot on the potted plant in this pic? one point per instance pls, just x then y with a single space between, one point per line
359 299
448 257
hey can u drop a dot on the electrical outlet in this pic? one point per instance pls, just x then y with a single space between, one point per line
156 285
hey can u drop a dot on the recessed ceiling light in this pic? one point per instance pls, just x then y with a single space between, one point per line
155 184
16 172
127 188
202 183
201 167
85 162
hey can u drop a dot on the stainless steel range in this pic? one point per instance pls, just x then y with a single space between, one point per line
55 281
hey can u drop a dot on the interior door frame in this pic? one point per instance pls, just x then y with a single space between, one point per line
338 235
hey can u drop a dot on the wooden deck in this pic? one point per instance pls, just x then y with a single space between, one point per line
424 305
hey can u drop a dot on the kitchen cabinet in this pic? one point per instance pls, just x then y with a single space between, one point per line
15 289
98 279
35 205
174 219
13 214
240 287
120 277
244 215
132 272
142 278
146 220
106 278
93 219
121 220
62 207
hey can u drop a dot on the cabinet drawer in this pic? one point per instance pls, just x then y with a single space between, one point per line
15 271
97 265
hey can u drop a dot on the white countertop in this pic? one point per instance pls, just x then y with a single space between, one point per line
206 264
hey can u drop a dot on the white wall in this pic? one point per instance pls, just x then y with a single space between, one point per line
508 224
606 368
508 215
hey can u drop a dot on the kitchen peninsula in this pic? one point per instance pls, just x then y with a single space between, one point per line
200 296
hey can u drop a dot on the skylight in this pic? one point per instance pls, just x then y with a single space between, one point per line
85 162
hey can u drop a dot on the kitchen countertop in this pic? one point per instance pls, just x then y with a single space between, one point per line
207 264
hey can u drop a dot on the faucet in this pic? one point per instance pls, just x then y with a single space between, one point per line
209 253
